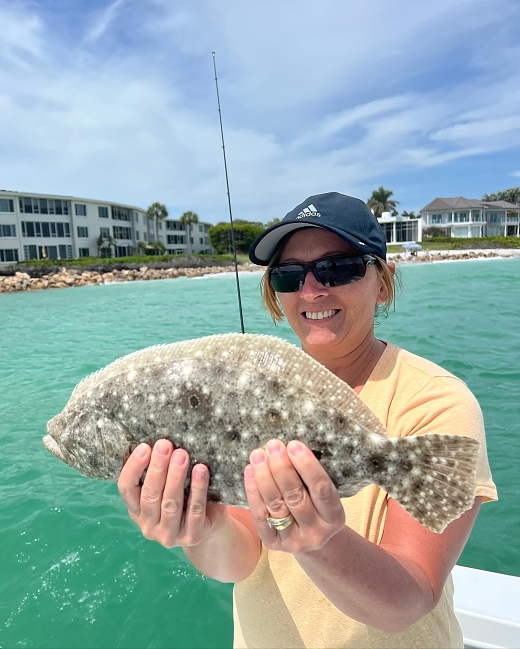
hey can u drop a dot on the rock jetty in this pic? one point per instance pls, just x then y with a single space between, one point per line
68 277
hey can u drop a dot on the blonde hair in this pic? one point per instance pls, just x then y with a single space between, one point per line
389 276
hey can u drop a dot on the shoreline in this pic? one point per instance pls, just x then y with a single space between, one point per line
69 277
436 256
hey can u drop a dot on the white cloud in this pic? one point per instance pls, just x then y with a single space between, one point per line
516 174
21 36
103 21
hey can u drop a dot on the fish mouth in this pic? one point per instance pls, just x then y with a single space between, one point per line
51 445
49 441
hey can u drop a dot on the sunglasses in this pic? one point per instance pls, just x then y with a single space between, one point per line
329 271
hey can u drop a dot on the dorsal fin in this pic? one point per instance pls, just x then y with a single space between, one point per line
274 356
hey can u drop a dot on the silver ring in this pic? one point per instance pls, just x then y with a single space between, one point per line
280 524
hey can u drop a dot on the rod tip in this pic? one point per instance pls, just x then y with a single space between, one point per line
212 53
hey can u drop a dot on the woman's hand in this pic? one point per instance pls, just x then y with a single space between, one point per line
157 507
283 480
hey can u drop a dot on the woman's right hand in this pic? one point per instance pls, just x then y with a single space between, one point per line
158 506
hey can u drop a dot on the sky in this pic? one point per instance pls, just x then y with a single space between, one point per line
115 100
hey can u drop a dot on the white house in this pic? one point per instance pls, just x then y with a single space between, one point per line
400 229
44 226
463 217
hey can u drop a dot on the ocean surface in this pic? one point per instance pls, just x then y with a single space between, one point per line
75 570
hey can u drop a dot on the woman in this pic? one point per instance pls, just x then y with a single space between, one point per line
311 569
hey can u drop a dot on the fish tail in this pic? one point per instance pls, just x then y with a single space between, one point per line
433 477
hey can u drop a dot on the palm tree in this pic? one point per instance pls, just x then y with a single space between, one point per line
104 244
156 212
410 215
160 248
187 219
380 201
511 195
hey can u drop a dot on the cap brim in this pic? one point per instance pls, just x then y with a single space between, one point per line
264 247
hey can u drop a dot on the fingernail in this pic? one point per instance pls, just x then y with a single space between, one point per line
294 448
274 447
141 450
179 458
162 447
199 471
248 472
258 457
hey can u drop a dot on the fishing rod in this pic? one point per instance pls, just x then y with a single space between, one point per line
229 198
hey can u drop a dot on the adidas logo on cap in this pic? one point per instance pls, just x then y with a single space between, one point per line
310 210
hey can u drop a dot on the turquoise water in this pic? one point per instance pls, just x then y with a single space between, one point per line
75 570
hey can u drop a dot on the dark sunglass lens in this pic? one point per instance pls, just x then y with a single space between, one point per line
287 279
338 272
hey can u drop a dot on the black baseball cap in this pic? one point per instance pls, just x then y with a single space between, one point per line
345 216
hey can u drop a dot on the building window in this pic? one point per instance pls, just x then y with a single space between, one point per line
102 212
175 239
201 239
6 205
136 217
120 214
160 225
493 217
104 232
137 235
84 252
145 236
122 233
461 233
81 210
82 232
8 255
38 229
436 218
7 230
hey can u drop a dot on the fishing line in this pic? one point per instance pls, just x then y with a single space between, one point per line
229 198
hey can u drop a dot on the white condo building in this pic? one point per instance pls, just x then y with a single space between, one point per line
468 217
44 226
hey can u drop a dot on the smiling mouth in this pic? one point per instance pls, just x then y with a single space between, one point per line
320 315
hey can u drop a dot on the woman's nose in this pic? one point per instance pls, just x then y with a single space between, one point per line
312 288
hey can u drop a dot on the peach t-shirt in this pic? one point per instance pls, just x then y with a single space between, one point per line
279 606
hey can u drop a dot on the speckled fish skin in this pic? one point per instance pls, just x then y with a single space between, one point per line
222 396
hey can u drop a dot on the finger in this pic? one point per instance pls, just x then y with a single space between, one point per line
267 486
293 491
195 517
322 491
129 480
172 504
153 487
257 507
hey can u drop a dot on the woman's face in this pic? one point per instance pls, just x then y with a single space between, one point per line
348 310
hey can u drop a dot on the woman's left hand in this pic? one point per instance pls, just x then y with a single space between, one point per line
283 480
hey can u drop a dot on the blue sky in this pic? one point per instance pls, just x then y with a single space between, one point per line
115 100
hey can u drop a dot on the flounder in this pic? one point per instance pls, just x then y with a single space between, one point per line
222 396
